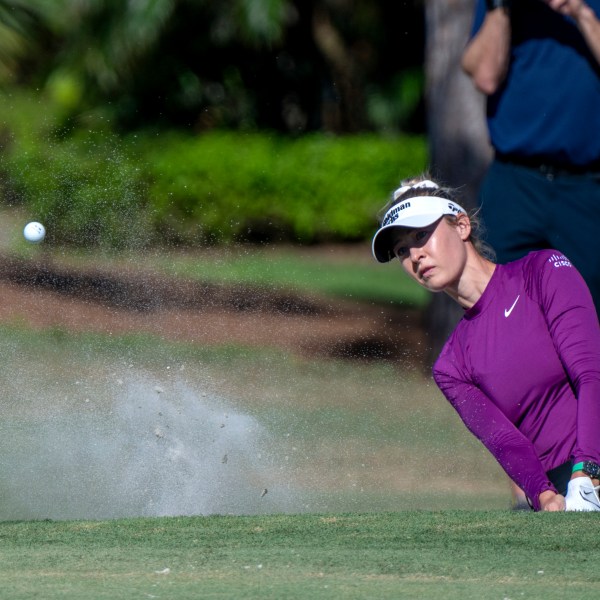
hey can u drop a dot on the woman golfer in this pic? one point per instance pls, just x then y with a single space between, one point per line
522 367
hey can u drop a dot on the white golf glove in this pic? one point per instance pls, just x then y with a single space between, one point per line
582 495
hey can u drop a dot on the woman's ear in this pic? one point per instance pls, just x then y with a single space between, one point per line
463 226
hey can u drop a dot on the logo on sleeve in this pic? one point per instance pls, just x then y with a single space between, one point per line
559 260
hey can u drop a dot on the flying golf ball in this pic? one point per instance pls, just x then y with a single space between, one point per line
34 232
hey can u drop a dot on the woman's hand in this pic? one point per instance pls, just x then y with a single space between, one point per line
551 502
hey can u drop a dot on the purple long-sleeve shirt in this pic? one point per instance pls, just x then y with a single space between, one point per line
522 369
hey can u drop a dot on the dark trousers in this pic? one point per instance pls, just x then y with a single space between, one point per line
527 208
560 477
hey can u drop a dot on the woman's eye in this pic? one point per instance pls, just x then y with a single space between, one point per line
420 235
400 251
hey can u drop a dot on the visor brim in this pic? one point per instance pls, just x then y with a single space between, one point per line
383 240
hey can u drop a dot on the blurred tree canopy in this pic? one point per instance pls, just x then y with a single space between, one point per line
289 66
292 66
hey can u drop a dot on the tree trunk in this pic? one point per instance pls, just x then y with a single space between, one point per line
458 138
348 113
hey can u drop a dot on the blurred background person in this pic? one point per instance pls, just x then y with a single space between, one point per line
538 62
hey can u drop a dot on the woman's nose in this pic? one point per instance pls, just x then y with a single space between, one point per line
415 253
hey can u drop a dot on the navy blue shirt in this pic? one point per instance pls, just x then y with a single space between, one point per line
549 104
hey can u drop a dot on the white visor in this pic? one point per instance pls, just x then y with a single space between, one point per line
419 211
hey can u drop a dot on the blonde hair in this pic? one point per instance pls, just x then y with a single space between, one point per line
416 186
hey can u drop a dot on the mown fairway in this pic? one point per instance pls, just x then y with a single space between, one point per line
454 555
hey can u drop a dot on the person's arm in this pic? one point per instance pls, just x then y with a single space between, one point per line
586 20
573 325
487 55
513 451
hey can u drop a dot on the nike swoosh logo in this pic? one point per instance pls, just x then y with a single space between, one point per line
585 493
507 311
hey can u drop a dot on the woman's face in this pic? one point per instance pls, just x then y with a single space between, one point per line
434 256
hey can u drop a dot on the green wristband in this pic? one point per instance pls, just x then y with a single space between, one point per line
577 467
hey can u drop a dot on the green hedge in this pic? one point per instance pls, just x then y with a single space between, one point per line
87 194
221 186
92 187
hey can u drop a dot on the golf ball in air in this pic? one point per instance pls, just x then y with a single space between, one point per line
34 232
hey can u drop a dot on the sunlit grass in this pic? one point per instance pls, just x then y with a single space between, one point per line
350 274
337 272
414 555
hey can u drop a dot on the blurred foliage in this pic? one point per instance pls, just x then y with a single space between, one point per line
256 186
97 188
293 66
126 124
19 38
86 186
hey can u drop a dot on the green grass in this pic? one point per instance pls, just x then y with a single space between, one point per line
336 272
455 555
352 275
